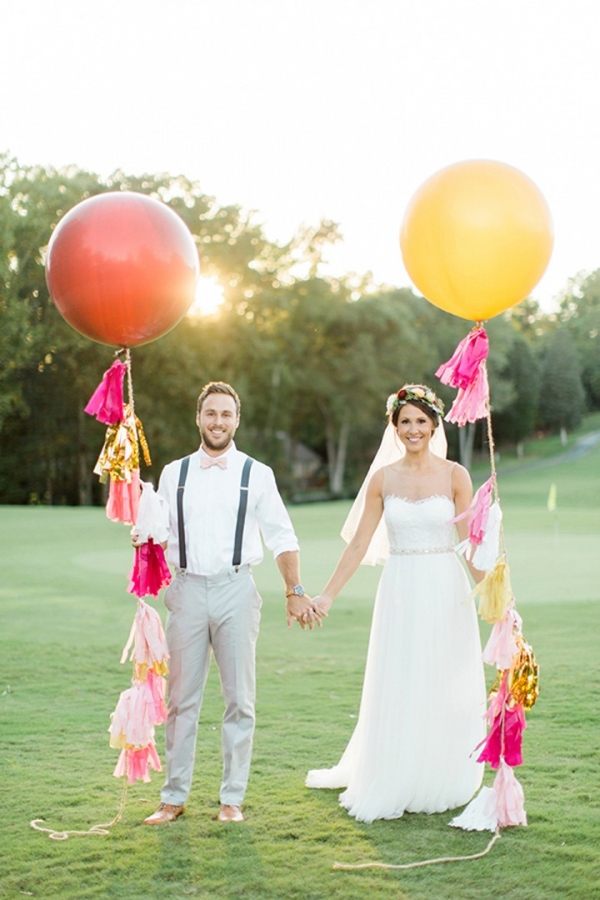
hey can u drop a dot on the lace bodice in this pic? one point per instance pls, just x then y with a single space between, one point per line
418 512
419 525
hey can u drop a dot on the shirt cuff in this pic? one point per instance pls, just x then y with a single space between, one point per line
285 548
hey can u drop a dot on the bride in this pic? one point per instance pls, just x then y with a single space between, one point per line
423 700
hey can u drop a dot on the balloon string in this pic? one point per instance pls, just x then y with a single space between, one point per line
101 829
137 425
492 449
129 382
425 862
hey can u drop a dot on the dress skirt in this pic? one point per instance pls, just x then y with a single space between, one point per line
423 700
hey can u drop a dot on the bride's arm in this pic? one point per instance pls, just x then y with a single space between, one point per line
463 494
354 553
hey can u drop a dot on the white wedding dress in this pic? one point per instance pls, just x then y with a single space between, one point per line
423 700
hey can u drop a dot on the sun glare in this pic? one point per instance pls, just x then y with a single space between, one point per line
209 297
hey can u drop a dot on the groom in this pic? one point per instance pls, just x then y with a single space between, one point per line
220 503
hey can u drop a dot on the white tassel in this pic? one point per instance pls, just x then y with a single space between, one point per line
486 553
480 814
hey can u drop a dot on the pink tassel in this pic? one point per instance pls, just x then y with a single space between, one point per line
514 726
504 738
124 499
510 807
148 639
150 573
139 709
478 512
502 646
135 764
121 766
131 723
471 403
139 763
106 403
461 369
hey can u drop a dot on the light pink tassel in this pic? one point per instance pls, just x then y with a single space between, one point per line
124 499
139 709
509 798
471 403
131 723
461 369
106 403
148 638
502 646
156 687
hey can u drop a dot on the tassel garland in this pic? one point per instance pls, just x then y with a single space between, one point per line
517 684
142 706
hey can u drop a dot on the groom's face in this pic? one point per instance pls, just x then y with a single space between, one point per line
217 421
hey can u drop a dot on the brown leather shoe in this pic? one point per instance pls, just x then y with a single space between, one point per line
230 813
165 813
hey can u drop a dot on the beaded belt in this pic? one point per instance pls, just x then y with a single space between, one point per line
417 551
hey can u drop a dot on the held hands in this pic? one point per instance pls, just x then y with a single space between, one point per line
307 612
301 609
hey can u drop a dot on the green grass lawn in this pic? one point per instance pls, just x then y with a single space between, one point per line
65 616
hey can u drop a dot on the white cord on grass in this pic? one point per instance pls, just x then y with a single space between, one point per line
101 829
425 862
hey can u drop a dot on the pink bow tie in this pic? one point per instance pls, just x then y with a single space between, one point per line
207 461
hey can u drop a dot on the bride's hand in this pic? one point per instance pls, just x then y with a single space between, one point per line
323 604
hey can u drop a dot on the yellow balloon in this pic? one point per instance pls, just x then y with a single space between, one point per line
476 238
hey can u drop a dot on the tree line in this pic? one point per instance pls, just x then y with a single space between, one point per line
312 357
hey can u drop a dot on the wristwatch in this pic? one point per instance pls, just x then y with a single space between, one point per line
297 591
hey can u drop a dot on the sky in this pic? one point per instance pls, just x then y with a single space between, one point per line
302 110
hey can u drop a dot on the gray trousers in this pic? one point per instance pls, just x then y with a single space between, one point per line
222 613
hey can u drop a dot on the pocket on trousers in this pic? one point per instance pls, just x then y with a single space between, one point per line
172 595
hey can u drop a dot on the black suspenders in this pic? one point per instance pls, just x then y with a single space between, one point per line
241 516
185 464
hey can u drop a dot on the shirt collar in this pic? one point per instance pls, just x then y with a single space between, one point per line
231 450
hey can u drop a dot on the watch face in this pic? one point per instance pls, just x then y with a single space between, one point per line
299 590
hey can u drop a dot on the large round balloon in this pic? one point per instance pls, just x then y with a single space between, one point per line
122 268
476 238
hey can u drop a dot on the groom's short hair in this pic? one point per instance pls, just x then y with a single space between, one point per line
219 387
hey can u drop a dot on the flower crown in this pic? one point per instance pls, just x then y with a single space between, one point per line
414 392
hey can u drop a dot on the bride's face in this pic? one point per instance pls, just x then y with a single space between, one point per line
414 428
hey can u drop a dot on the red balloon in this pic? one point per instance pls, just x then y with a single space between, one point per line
122 268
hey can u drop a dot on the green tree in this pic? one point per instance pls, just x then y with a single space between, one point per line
580 313
561 389
51 370
518 418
